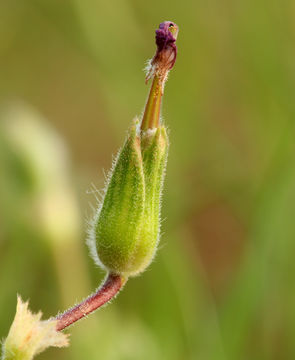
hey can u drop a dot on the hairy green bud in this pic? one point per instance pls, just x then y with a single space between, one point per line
125 231
126 228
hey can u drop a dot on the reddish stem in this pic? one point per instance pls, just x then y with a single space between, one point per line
105 293
151 116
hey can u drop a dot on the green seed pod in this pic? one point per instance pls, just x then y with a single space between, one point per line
125 231
154 149
126 228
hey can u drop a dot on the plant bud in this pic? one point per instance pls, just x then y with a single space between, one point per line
125 231
126 228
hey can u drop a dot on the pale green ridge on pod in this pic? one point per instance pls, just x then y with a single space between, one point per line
126 229
154 149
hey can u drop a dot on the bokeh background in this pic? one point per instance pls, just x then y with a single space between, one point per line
222 284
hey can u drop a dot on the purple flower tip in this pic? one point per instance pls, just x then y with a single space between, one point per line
166 53
166 34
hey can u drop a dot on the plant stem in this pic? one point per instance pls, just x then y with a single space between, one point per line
151 116
104 293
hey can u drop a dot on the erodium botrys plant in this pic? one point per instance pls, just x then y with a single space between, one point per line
124 233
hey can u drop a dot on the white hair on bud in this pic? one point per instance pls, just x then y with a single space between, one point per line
148 67
149 70
91 223
149 132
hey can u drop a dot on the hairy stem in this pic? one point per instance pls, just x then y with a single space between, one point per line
105 293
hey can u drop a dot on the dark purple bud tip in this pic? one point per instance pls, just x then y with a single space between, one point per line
165 57
166 35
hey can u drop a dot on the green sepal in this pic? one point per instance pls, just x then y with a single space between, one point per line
154 148
128 223
120 218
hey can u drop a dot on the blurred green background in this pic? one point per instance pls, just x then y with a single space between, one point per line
71 81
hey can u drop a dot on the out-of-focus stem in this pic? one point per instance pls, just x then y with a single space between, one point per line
68 288
151 116
105 293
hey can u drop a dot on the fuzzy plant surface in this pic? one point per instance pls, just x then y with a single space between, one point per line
125 230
